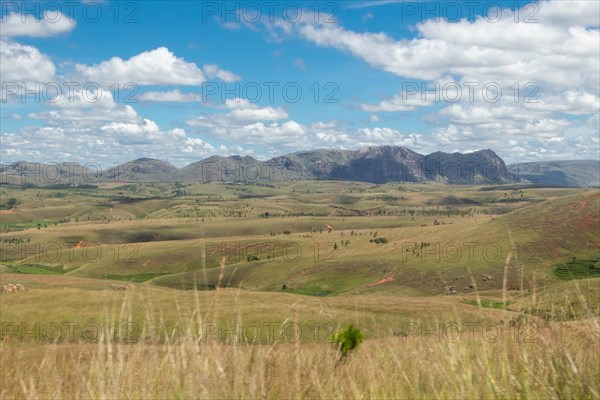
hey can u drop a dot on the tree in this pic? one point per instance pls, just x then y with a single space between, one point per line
347 340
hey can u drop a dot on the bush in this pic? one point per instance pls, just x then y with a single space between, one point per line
347 340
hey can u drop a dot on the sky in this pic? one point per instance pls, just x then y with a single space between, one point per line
112 81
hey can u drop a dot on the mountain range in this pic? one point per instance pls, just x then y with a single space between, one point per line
376 164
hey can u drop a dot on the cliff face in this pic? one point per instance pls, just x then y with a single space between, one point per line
479 167
399 164
382 164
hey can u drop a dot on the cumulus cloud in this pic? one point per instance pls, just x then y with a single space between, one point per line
506 52
155 67
112 143
559 50
85 108
102 131
52 23
244 122
24 63
243 110
213 71
250 124
573 102
331 134
240 113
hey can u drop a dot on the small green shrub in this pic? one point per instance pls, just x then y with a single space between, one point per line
347 339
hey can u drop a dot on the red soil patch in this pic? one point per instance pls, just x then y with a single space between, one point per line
382 281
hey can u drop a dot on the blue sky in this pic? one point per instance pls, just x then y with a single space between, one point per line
177 80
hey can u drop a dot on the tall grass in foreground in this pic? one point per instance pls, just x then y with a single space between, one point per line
561 360
555 360
561 364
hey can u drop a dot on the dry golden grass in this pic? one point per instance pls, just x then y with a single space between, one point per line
538 360
559 363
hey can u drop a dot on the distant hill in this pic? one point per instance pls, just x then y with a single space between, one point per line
220 169
574 173
25 172
143 170
375 164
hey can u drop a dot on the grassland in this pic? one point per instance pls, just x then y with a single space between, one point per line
235 291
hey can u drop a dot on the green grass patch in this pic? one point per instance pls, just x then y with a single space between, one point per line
488 303
33 269
578 269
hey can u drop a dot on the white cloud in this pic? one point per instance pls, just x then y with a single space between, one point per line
573 102
279 137
332 135
24 63
155 67
240 113
113 142
251 124
87 109
557 52
170 96
485 52
243 110
570 13
213 71
52 23
131 128
289 134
